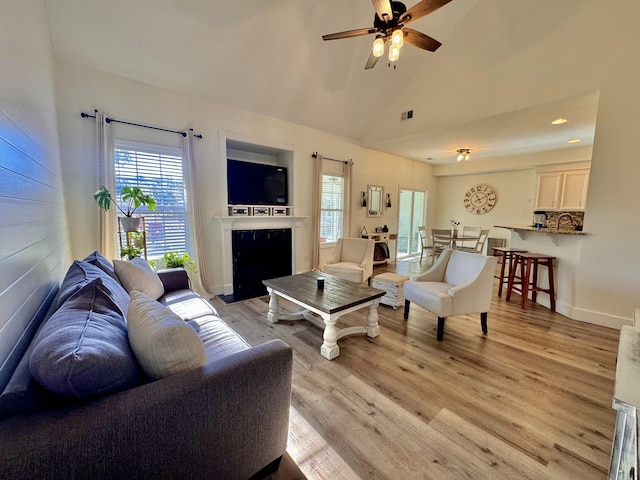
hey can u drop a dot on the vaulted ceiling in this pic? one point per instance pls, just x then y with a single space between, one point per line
267 56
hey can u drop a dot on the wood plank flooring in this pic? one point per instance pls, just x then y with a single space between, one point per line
530 400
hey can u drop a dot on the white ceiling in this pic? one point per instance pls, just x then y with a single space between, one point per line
268 56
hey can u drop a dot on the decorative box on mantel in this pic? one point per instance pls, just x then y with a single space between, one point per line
259 211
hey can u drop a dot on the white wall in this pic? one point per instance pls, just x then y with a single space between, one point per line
34 240
515 193
79 89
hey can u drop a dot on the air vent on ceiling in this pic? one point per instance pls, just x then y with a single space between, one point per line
408 115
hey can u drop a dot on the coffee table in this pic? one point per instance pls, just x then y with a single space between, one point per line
338 298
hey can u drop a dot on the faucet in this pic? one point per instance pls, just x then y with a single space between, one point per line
573 223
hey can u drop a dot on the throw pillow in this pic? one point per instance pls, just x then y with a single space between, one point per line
102 263
83 351
137 274
80 274
162 342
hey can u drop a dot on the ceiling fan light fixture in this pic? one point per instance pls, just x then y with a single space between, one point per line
397 38
394 53
463 154
378 46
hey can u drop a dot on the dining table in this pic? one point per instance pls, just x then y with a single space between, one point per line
457 241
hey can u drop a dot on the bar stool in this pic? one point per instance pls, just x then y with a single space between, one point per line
528 279
506 255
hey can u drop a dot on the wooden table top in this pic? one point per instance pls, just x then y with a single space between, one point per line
338 294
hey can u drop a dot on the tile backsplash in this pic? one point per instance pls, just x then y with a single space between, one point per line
565 222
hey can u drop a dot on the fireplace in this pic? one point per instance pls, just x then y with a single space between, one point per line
258 255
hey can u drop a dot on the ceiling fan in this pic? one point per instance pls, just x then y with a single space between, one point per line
389 25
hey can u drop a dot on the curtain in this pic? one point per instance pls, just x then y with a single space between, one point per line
347 198
315 209
196 237
104 154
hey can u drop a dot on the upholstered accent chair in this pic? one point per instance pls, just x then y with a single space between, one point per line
458 283
352 259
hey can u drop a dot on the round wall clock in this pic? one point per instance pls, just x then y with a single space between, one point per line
480 199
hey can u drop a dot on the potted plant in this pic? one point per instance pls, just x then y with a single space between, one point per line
178 260
132 198
129 252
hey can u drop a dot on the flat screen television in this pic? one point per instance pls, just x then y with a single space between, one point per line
251 183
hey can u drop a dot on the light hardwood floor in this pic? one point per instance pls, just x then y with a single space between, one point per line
530 400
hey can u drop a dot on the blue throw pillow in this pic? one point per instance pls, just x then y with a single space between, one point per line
80 274
83 350
102 263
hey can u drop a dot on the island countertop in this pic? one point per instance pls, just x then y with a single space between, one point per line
549 231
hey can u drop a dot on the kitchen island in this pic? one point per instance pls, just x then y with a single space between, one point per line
565 245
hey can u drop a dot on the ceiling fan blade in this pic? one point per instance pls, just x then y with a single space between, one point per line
420 40
421 9
350 33
371 62
383 9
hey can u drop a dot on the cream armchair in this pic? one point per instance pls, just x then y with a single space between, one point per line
458 283
352 259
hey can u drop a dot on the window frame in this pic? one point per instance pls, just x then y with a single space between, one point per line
342 210
164 211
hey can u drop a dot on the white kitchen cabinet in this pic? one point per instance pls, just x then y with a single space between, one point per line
549 190
565 190
574 190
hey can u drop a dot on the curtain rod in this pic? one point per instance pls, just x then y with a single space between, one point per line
109 120
346 162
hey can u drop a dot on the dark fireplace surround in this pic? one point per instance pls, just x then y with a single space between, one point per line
259 255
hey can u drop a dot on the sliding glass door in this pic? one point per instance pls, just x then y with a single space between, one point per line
412 214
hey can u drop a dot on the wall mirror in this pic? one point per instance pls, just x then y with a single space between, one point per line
375 204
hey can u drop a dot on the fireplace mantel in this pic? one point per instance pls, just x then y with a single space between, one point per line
230 223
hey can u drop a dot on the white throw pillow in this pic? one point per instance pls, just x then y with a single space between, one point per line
137 274
162 342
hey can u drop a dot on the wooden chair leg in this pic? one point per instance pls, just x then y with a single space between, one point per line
440 328
483 322
406 309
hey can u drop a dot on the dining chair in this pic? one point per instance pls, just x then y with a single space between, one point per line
471 231
424 242
441 240
480 241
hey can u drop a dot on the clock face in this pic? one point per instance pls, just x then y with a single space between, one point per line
480 199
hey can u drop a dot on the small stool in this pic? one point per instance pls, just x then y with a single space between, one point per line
392 284
528 279
505 254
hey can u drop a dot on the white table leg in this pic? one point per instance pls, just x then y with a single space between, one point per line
373 329
329 348
274 307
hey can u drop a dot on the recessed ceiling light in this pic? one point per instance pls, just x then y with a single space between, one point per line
574 140
559 121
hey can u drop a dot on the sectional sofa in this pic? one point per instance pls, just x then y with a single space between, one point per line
131 374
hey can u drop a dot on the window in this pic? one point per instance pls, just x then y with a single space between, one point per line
331 208
158 171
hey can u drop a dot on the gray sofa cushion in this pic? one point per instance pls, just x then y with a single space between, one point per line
218 338
187 304
80 274
83 350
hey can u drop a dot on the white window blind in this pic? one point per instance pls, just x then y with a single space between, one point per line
158 171
331 208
